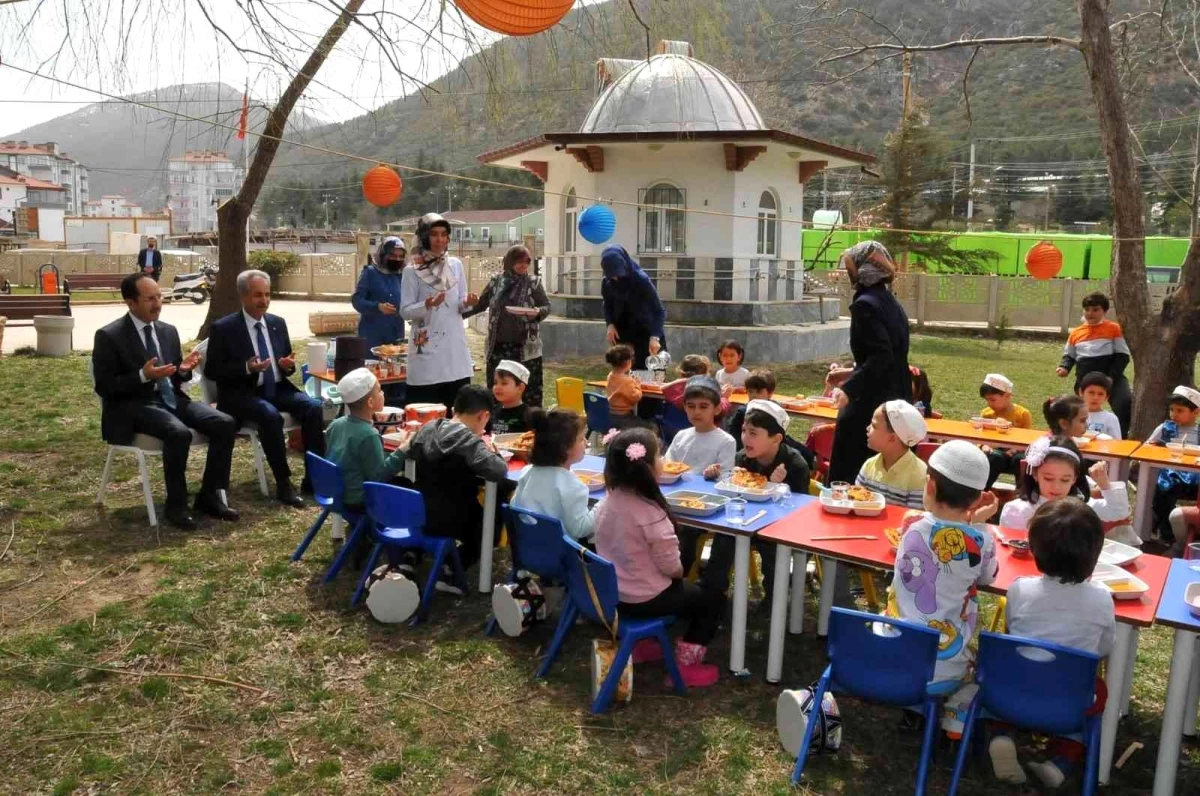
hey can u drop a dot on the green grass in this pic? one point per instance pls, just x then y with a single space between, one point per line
351 706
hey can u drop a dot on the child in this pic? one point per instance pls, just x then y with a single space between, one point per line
1054 469
634 531
997 390
622 389
1094 389
760 386
692 365
549 487
731 376
943 558
922 391
1062 607
509 391
1098 344
1176 485
1066 415
896 472
352 442
450 455
704 447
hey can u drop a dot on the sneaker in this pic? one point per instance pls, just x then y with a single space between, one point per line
647 651
446 584
1005 765
697 675
1048 773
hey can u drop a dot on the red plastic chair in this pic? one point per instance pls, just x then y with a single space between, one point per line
925 449
820 442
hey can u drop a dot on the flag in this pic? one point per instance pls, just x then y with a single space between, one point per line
241 133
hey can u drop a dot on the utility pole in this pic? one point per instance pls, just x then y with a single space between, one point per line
1046 221
449 200
971 189
906 84
824 189
953 188
325 201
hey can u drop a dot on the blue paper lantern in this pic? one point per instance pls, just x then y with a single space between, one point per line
597 224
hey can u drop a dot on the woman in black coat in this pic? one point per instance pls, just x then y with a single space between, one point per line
879 343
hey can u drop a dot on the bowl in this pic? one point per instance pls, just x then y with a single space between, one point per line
1191 596
1019 548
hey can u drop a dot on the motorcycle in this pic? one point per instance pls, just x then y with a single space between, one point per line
196 287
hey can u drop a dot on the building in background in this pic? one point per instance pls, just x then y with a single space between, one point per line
494 227
112 206
47 164
19 193
200 181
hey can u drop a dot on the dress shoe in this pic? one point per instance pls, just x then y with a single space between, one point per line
213 506
179 517
288 497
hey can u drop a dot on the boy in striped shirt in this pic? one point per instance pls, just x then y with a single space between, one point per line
895 472
1098 346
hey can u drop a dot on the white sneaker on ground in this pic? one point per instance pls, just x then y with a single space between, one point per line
1005 765
1048 773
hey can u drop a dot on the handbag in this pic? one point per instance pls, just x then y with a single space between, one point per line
605 650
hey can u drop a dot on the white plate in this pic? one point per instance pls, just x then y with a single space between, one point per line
1081 442
1118 553
712 503
503 442
599 486
992 423
754 495
1191 596
1107 575
822 401
862 508
668 478
526 311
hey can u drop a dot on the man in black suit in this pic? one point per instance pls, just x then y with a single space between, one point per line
250 358
150 259
139 367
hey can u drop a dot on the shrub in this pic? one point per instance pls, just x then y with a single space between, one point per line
272 263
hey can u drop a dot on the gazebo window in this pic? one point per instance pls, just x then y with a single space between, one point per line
662 217
768 225
570 231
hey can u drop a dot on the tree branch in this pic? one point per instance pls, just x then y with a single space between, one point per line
967 94
842 53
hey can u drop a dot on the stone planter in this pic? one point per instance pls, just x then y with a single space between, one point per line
53 334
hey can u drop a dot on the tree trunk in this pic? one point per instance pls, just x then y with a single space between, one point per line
234 215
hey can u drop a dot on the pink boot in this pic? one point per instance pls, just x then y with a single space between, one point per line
695 672
647 650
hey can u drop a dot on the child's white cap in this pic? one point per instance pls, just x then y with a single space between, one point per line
773 409
356 385
999 382
906 421
962 463
515 369
1188 394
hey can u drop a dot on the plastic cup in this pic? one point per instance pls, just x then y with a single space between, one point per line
735 510
839 490
1176 449
1192 554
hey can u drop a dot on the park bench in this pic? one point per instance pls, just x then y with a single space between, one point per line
20 308
77 282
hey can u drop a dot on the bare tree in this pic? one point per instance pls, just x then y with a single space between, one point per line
1164 343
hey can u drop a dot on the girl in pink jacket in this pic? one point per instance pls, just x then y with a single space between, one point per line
634 531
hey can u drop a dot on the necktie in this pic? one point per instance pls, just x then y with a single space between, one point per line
268 383
164 384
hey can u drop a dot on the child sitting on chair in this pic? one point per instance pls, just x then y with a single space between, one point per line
1094 389
692 365
635 532
895 471
1061 606
353 444
997 390
1174 485
731 376
942 559
622 389
549 487
509 391
450 456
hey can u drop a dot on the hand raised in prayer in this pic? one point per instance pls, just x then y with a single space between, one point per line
154 371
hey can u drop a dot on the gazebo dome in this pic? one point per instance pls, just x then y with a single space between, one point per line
672 93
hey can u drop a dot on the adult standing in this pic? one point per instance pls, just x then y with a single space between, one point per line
377 299
514 335
632 309
879 343
139 369
149 259
433 297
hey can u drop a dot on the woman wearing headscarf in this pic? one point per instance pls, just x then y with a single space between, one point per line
632 309
514 335
879 342
433 297
377 296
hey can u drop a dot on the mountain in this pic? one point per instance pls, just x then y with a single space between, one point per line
126 147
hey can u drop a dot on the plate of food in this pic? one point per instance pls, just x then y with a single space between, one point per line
997 424
390 351
696 504
672 472
859 500
1191 450
821 400
520 445
793 403
1081 442
1121 583
1118 554
592 479
527 312
745 484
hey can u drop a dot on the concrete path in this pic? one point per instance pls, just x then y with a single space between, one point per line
185 317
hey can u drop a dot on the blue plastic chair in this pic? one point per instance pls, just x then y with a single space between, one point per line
535 542
888 669
328 488
595 406
629 631
673 421
1038 686
396 521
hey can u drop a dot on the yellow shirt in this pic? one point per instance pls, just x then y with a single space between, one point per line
903 485
1016 414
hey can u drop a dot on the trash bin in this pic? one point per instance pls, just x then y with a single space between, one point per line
53 334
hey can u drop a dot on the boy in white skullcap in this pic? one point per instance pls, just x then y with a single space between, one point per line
1183 412
353 444
508 389
997 390
943 557
895 472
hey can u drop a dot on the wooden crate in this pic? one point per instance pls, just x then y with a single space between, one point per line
327 323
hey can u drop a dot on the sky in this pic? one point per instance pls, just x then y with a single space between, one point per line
122 48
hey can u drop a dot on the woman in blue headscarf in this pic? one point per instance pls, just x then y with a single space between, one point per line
632 309
377 299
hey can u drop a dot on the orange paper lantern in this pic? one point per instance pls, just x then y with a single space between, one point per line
1044 260
515 17
382 186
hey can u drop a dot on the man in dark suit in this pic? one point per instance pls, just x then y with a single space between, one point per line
150 259
139 366
250 358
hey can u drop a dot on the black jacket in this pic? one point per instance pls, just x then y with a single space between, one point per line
230 348
156 261
118 354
